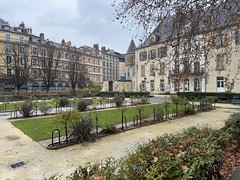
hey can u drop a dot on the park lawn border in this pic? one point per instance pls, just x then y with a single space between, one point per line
40 128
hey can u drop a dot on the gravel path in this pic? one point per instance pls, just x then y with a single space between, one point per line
41 163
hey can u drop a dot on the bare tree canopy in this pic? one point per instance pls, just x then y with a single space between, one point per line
18 59
171 15
49 59
193 32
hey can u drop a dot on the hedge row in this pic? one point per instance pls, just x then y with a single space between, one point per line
220 96
26 95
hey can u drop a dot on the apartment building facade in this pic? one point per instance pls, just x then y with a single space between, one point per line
30 62
206 62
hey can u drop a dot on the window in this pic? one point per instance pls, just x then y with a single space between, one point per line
151 85
176 85
66 55
43 52
176 66
196 84
34 61
89 60
186 85
8 49
94 61
21 60
143 86
9 71
9 60
8 37
161 68
152 70
186 65
220 82
143 56
83 59
21 39
35 74
152 54
59 74
162 52
143 70
196 67
220 64
21 50
237 37
162 85
34 50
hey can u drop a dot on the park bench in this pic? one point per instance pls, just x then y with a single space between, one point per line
235 101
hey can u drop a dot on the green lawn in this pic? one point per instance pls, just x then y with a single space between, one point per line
41 128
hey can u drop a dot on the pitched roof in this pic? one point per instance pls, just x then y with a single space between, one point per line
131 47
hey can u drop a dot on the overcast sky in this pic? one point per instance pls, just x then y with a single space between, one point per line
84 22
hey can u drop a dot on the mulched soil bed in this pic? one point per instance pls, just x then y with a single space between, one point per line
232 160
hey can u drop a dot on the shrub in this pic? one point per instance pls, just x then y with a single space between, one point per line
144 100
176 99
63 102
192 154
119 99
82 130
159 114
232 125
26 109
44 108
109 128
189 111
82 105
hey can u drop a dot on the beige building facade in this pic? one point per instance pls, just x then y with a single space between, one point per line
39 60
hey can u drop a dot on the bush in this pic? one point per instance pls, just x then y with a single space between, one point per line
109 128
189 111
63 102
159 114
192 154
232 125
82 130
144 100
82 105
119 99
26 109
44 108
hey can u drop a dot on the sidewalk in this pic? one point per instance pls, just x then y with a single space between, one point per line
40 163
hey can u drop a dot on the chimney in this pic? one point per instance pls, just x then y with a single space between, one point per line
103 48
41 36
63 42
96 47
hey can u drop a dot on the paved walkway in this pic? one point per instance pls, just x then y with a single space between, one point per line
41 163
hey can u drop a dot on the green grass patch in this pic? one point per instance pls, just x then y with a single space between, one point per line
41 128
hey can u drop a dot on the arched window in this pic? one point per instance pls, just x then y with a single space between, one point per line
186 85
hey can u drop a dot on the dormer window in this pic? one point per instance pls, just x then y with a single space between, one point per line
6 27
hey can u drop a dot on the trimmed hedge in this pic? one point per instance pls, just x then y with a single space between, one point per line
126 94
27 95
220 96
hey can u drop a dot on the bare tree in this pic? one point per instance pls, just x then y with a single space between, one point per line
192 29
74 68
48 65
17 57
